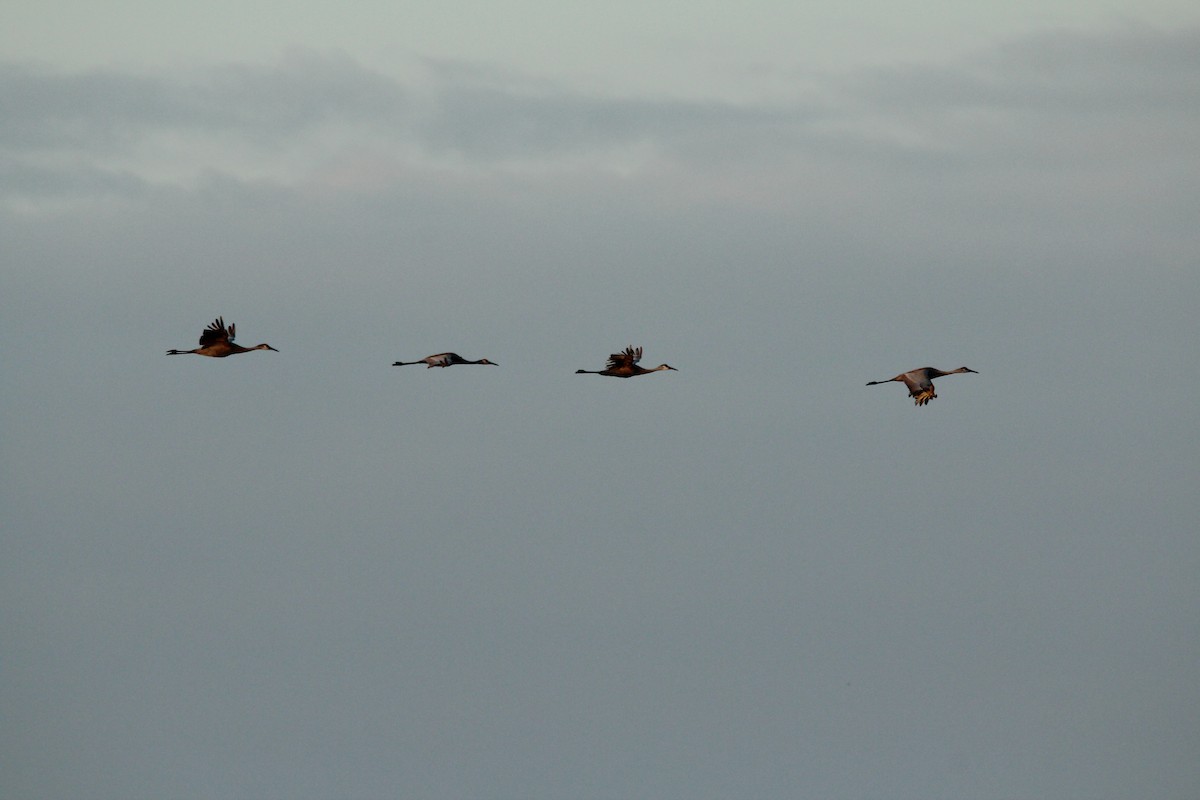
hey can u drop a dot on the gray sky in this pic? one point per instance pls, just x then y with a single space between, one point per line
307 574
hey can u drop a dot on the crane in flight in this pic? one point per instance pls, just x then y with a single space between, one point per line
625 365
443 360
216 341
920 382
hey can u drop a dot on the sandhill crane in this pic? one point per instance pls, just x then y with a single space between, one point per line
443 360
624 365
216 341
920 382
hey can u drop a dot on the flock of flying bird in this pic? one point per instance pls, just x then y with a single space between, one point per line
216 341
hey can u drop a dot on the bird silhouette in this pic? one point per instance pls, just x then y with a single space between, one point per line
920 382
624 365
443 360
216 341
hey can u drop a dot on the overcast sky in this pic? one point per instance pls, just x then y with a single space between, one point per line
308 574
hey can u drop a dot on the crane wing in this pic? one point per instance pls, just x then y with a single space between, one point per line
917 380
216 332
920 387
628 358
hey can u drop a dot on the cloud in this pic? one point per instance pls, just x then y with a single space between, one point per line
87 132
1044 102
484 119
95 110
107 108
1036 89
1136 68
